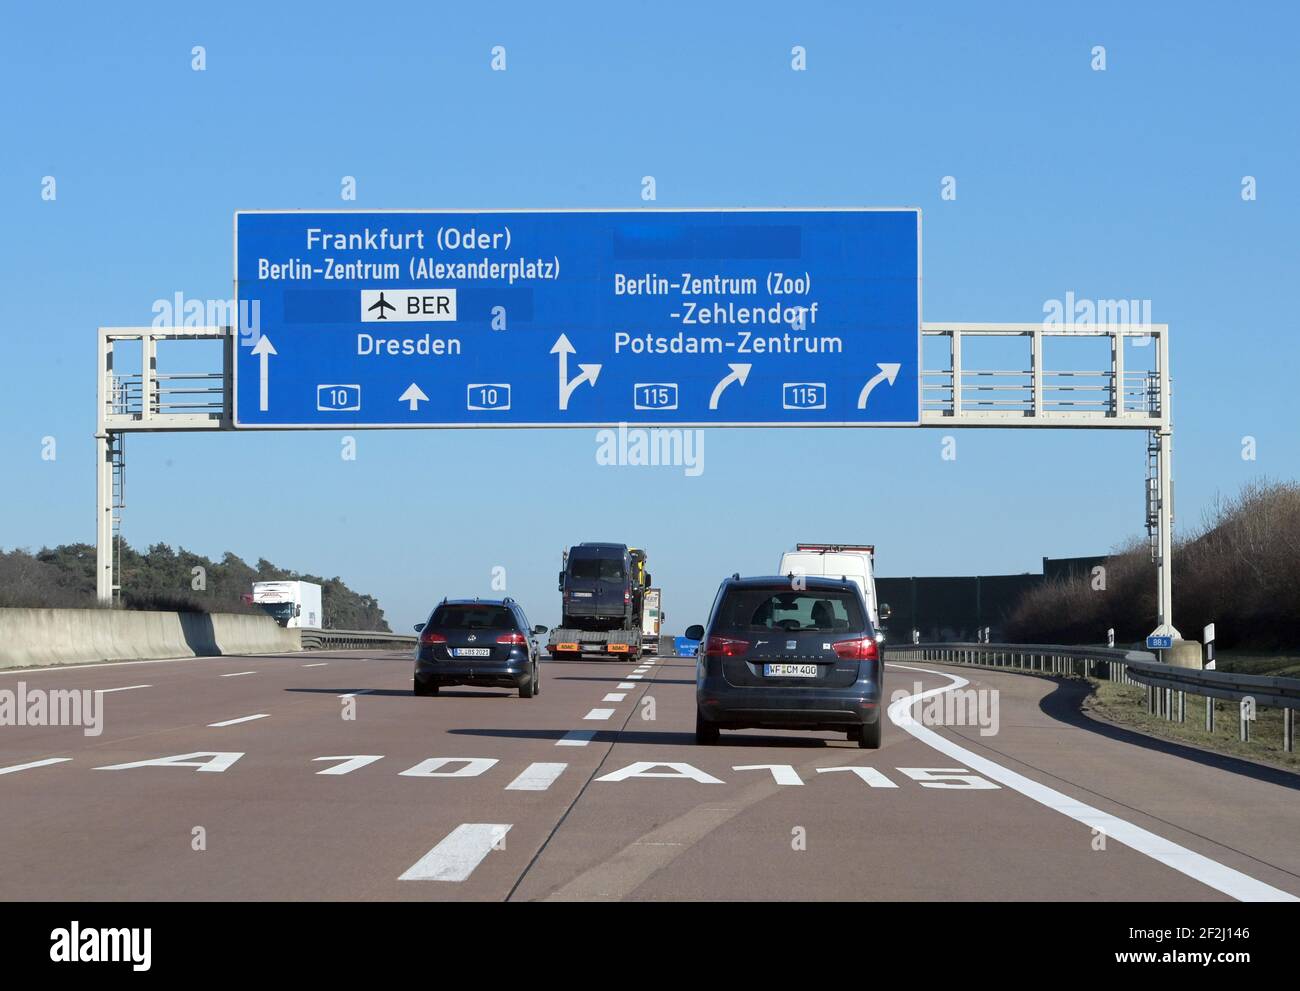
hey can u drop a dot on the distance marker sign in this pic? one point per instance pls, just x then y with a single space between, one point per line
577 318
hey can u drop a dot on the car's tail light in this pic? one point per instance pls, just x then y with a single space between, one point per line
857 650
515 638
725 647
627 596
428 636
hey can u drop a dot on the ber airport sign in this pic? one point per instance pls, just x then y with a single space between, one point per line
578 318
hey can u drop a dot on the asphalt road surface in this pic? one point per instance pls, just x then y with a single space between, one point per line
320 776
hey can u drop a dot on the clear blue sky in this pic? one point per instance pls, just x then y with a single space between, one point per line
1117 184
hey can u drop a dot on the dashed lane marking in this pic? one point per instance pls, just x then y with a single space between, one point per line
537 777
241 719
626 684
318 664
615 697
238 674
576 738
599 714
459 853
35 763
124 688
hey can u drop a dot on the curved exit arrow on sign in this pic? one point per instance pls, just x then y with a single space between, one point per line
888 372
738 374
589 372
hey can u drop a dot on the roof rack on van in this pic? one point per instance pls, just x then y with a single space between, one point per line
838 548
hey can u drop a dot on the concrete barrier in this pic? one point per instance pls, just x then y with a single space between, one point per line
34 637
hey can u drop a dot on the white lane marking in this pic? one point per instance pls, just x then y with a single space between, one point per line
352 695
217 761
783 774
614 697
474 766
626 684
36 763
635 677
318 664
576 738
350 763
870 775
677 771
537 776
124 688
462 850
946 777
238 674
1209 872
241 719
599 714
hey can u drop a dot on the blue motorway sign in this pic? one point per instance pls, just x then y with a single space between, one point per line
1159 641
577 318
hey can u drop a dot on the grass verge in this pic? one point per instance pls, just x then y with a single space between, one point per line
1127 705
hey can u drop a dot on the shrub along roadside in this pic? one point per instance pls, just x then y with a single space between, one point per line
163 579
1240 569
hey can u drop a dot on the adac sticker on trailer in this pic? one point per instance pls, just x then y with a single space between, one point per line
566 646
619 648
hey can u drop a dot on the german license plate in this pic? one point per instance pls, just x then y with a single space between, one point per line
582 595
472 651
790 670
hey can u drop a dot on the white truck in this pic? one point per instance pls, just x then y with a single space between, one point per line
652 619
855 561
295 605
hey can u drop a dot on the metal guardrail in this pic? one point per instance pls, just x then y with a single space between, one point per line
1167 685
1081 662
344 639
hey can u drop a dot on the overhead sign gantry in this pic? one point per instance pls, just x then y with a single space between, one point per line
578 318
599 317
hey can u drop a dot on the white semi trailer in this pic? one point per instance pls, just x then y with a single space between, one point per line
295 605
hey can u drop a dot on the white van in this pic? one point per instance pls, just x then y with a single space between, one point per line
856 561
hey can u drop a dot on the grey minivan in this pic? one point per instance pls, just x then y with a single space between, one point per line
789 653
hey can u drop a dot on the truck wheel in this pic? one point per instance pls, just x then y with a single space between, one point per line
706 733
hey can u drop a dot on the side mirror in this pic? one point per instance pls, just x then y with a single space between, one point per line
885 611
695 632
419 627
539 630
561 581
648 580
297 610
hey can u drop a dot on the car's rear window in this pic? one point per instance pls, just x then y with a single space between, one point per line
810 610
472 618
609 569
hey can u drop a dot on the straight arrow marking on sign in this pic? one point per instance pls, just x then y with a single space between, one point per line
888 372
263 349
413 395
738 374
589 373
